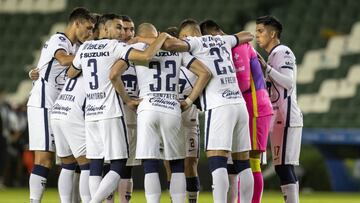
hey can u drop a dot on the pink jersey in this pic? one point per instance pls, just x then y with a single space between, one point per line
251 80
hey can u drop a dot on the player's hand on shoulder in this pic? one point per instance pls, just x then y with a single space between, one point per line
134 40
244 36
166 35
34 74
133 104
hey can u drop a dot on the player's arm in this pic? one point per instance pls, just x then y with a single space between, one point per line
244 36
149 52
284 77
73 72
63 58
117 70
204 75
172 44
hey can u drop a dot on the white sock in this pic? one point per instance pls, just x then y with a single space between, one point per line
108 184
152 188
220 185
246 185
75 192
125 189
290 192
233 188
193 196
178 187
94 182
37 185
65 185
84 189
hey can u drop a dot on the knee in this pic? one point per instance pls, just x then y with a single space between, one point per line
151 166
44 159
177 166
216 162
191 164
96 167
286 174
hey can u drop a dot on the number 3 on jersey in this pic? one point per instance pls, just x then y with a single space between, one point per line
93 63
217 62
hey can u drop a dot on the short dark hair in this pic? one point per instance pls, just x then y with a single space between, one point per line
186 23
271 21
126 18
173 31
208 25
80 13
108 16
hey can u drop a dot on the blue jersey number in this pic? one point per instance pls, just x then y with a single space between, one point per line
217 62
93 63
71 84
170 86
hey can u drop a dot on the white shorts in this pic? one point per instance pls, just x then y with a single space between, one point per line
107 139
190 129
41 137
285 144
227 128
159 136
69 138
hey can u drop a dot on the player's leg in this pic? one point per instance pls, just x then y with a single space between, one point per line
152 181
192 179
240 148
41 141
106 169
84 190
75 197
285 143
169 127
116 149
125 187
259 131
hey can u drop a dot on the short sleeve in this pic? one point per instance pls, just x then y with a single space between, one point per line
187 60
76 63
122 51
285 59
232 40
194 44
58 42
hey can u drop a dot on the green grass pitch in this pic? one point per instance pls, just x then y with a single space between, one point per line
51 196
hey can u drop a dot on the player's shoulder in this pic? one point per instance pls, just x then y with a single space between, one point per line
139 46
59 37
282 51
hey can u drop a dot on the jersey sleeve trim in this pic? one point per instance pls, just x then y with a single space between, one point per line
127 54
127 62
190 62
237 40
75 67
58 50
288 67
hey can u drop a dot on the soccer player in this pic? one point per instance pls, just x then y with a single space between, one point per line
252 85
287 121
106 132
159 116
226 127
56 55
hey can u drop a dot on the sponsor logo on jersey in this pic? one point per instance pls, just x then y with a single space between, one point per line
166 53
231 94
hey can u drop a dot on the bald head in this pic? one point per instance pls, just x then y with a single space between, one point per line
146 30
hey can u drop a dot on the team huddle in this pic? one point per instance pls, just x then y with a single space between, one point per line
106 100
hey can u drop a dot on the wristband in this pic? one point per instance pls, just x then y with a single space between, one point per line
188 101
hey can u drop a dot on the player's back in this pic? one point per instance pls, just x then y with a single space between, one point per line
96 58
51 74
159 81
70 104
215 53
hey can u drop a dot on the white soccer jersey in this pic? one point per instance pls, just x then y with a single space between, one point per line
52 74
284 102
130 82
95 58
158 83
215 53
186 82
70 104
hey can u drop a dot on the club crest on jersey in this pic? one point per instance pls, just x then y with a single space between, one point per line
63 39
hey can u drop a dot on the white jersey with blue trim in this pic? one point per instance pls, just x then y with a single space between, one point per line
70 104
52 74
159 81
187 80
215 53
95 58
130 82
282 61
